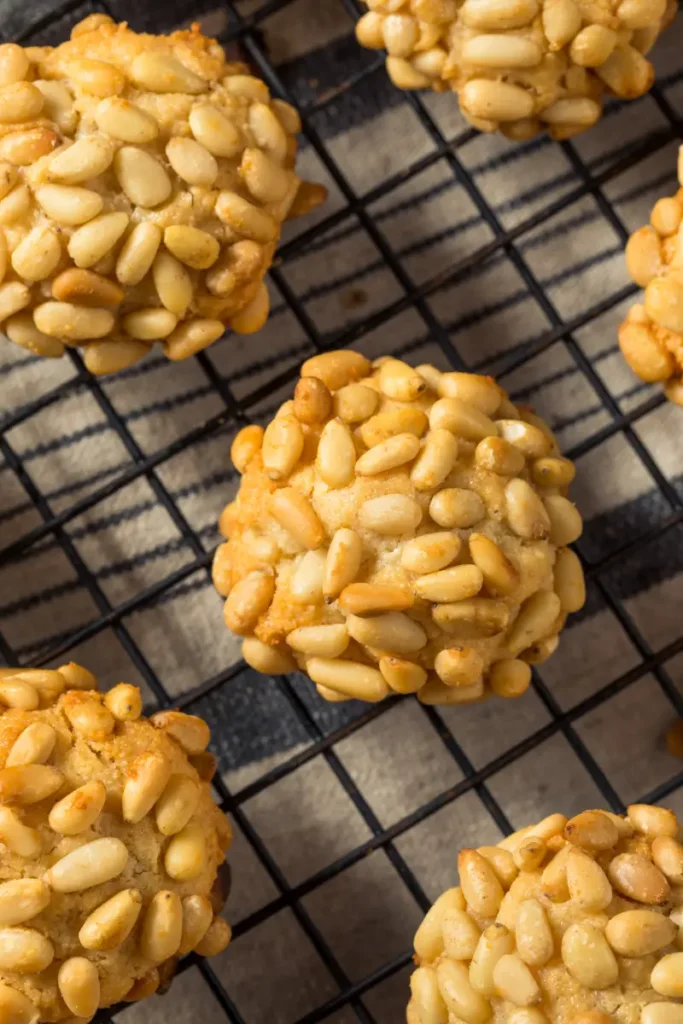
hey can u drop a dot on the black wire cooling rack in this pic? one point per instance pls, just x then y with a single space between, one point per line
245 30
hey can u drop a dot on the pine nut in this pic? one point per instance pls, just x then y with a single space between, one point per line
527 515
399 381
306 585
265 180
554 885
146 779
197 249
499 574
553 471
459 666
561 22
644 255
638 879
430 552
216 938
176 805
336 456
496 101
458 995
456 584
22 331
33 746
530 854
435 691
246 444
493 943
271 661
527 437
349 678
111 356
498 456
668 856
369 598
24 951
24 148
162 928
533 936
342 564
86 158
400 420
426 1005
92 864
86 288
48 682
8 178
502 51
390 515
541 650
390 454
429 942
191 337
185 857
667 976
90 243
514 981
534 621
144 987
626 72
321 641
477 618
19 101
125 702
502 863
15 205
138 253
267 131
58 105
248 221
161 73
481 392
588 957
149 324
22 899
283 443
621 823
15 693
461 418
456 507
79 986
213 130
460 935
286 115
28 783
197 917
527 1015
87 715
402 676
666 216
393 632
662 1013
400 33
16 836
253 316
14 296
190 731
495 15
592 46
69 205
662 303
192 162
568 581
591 830
481 888
566 524
639 932
125 121
75 323
404 75
653 822
355 403
312 401
588 884
172 282
14 64
95 76
295 514
141 177
79 810
436 460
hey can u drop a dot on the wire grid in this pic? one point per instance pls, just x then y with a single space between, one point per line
245 30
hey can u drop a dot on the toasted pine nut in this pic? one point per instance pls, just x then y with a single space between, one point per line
493 943
162 927
626 72
112 922
495 51
195 248
502 863
566 524
22 148
79 809
667 854
587 956
348 677
191 337
185 856
192 162
37 254
568 581
541 650
430 552
588 884
190 731
22 331
662 1013
306 584
499 456
644 255
15 205
498 15
15 693
265 180
64 320
534 939
47 681
561 22
404 75
215 939
667 975
527 437
534 621
86 158
460 935
138 253
92 864
458 994
400 33
390 454
666 216
367 598
509 678
481 392
246 444
96 77
141 177
526 513
473 619
591 830
355 403
426 996
271 661
481 888
16 836
90 243
15 1007
456 507
554 884
639 932
14 296
342 563
429 942
592 45
321 641
146 779
436 460
34 745
283 443
21 899
390 515
213 130
400 381
248 221
638 879
459 666
435 691
247 601
14 64
69 205
553 471
402 676
162 73
400 420
392 631
336 456
455 584
500 575
197 916
124 701
295 514
102 357
176 805
149 324
86 288
514 981
312 401
87 715
144 987
337 368
125 121
24 951
462 419
28 783
79 986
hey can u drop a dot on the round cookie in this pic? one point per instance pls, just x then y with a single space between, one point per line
520 66
651 336
111 845
399 530
564 922
143 182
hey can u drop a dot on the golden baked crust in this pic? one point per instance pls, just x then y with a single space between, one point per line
520 66
651 336
74 738
564 922
413 519
143 181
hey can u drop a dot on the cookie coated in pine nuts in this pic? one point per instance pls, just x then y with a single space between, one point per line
399 530
143 182
520 66
111 845
565 922
651 336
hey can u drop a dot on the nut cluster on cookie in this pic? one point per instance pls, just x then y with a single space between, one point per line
111 844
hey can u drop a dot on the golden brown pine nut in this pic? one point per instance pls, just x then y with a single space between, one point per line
162 73
392 631
493 943
111 356
460 934
526 513
89 865
514 981
295 514
400 420
8 178
197 916
459 995
639 932
216 938
400 33
336 456
435 691
287 116
248 221
22 331
481 392
553 471
534 939
14 296
162 927
95 76
21 899
390 454
667 975
138 253
534 621
338 368
527 437
79 986
667 854
142 178
321 641
588 958
496 101
28 783
34 745
436 460
14 64
568 581
355 403
390 515
429 941
481 888
312 401
644 255
76 323
349 678
588 884
591 830
176 805
369 598
400 381
69 205
191 337
402 676
172 282
125 121
185 857
456 507
197 249
638 879
430 1007
456 584
502 51
509 678
22 148
468 620
566 524
271 661
502 863
500 575
498 456
246 444
125 702
90 243
530 854
15 693
403 74
666 216
592 46
307 580
282 445
77 811
144 987
24 951
146 779
16 836
430 552
462 419
342 563
149 324
626 72
48 682
265 180
87 715
653 822
190 731
213 130
253 316
86 288
459 666
561 22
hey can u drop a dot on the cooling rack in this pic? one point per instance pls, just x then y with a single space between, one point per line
632 547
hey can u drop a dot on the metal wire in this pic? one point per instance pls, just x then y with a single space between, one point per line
503 242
